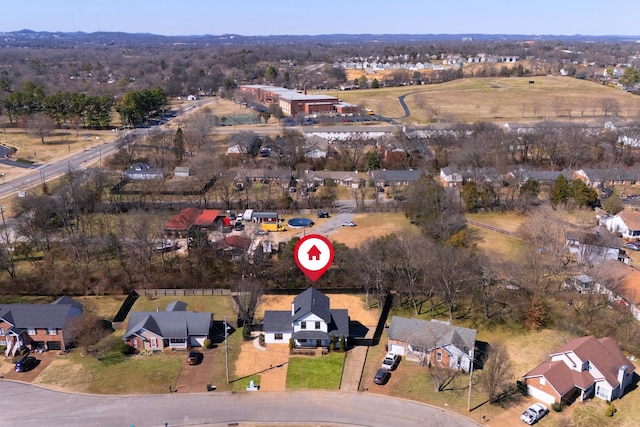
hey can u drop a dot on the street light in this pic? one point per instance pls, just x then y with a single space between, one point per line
226 333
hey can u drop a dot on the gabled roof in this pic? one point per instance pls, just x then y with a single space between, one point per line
67 300
176 306
311 301
430 335
183 220
631 218
206 217
602 353
397 175
560 377
169 324
27 316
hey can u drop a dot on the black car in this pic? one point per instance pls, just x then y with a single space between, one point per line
382 376
26 364
323 214
194 357
238 226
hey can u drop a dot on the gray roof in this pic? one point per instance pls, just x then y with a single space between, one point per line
27 316
170 324
265 215
311 301
430 335
176 306
396 175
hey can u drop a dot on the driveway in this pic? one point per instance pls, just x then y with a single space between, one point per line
194 378
44 359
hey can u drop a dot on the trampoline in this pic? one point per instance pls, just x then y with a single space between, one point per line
300 222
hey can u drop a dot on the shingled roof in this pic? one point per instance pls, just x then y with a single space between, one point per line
431 334
41 316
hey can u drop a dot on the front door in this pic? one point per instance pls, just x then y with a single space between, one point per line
318 343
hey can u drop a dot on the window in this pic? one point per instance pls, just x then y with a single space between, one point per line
277 336
134 342
52 331
1 332
154 342
602 392
303 325
439 356
317 325
31 331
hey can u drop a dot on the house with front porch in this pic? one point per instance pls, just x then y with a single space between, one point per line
43 326
582 368
311 322
434 343
175 328
625 222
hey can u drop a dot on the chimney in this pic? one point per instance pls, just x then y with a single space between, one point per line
621 373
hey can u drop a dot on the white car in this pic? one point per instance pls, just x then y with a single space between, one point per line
534 413
348 224
390 361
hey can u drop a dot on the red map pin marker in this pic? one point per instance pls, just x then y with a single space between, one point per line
314 255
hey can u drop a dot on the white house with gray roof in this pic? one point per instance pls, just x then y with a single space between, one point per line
311 322
174 328
432 342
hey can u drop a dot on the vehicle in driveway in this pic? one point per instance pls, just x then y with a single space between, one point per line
26 364
382 376
634 246
194 357
323 214
390 361
534 413
348 224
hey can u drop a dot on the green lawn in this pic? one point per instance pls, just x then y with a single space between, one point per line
323 373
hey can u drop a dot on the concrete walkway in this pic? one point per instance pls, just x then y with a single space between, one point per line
353 367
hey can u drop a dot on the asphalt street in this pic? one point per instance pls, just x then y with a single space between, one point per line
27 405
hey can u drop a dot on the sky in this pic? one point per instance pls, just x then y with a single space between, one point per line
313 17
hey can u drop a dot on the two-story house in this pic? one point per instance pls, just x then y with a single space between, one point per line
310 323
44 326
579 369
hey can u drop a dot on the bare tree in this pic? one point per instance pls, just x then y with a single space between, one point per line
441 377
247 294
40 125
497 372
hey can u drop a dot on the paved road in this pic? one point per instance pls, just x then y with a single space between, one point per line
27 405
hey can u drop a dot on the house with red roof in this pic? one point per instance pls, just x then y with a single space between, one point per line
187 218
580 369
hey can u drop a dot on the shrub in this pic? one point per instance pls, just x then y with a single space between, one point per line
610 411
343 343
246 333
290 344
557 407
207 343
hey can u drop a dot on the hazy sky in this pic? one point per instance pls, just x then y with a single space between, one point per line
264 17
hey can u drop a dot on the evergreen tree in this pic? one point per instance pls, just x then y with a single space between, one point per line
560 191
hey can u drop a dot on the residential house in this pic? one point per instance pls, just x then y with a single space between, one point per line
450 176
174 328
189 218
141 170
621 283
434 343
43 326
581 368
626 222
339 178
543 177
311 322
595 247
395 178
600 178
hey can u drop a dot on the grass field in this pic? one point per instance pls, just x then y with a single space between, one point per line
497 100
305 373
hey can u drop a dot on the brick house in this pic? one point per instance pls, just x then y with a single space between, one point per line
580 369
433 343
44 326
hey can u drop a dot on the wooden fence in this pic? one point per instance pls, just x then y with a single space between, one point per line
496 229
182 292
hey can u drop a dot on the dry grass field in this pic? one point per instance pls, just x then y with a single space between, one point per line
497 100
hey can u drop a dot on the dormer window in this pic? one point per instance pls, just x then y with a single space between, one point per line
303 325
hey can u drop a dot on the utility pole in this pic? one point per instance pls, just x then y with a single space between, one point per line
226 342
470 379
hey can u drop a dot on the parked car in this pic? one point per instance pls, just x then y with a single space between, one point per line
238 226
323 214
194 357
534 413
25 364
348 224
633 246
382 376
390 361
